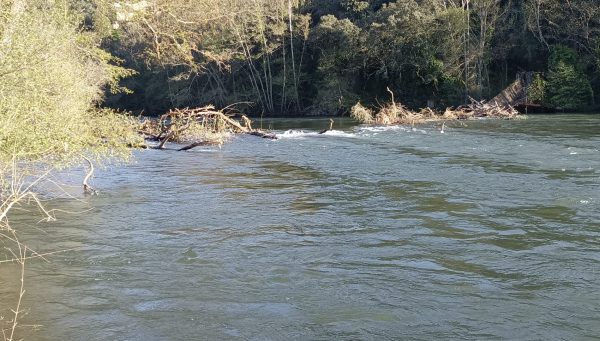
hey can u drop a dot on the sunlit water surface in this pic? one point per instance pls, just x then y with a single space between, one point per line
489 230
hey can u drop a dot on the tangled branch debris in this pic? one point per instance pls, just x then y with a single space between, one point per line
197 127
395 114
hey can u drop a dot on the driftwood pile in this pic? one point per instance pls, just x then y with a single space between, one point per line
479 109
197 127
397 114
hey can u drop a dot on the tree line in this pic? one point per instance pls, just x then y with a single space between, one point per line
312 57
322 56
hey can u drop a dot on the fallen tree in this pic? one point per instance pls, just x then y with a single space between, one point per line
197 127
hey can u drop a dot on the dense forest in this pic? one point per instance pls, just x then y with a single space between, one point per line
322 56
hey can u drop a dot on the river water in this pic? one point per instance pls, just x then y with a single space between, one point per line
489 230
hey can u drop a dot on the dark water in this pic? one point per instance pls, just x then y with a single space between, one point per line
488 231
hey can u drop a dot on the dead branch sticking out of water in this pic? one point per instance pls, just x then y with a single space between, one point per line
197 144
397 114
197 127
87 189
326 130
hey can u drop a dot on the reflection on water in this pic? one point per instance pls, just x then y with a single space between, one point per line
489 231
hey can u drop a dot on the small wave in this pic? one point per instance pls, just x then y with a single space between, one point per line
339 133
206 150
371 131
295 134
379 129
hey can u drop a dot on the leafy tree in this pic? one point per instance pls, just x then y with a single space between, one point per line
281 55
52 78
356 8
338 45
537 89
567 87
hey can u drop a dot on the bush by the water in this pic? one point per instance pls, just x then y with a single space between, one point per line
53 76
568 87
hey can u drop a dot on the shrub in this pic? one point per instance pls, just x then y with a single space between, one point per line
568 87
537 89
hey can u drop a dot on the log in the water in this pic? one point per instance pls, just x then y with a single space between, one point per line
196 144
263 134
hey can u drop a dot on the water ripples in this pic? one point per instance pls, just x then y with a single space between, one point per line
488 231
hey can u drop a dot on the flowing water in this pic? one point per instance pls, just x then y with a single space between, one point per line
489 230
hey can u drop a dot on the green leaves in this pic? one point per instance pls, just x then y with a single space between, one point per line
537 89
52 78
568 87
196 52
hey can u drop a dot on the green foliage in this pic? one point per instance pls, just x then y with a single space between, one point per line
51 80
562 54
568 88
336 52
338 45
356 7
537 89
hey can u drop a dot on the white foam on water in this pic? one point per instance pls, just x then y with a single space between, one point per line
359 131
299 134
295 134
339 133
205 150
378 129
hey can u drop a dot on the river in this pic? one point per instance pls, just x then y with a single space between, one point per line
488 230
